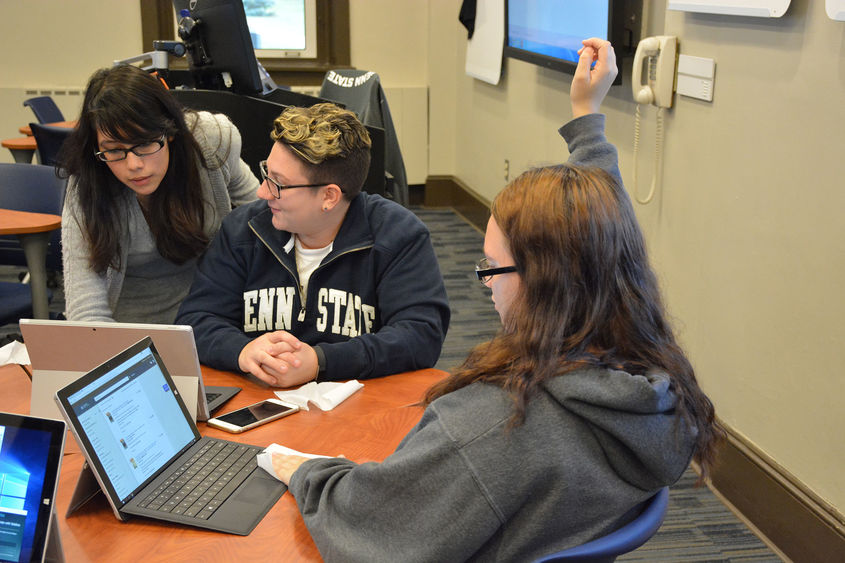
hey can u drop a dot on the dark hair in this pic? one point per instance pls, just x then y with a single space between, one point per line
588 297
332 144
130 105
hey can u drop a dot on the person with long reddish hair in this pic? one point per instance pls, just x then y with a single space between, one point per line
558 429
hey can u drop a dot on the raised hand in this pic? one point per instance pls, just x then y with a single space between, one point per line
591 83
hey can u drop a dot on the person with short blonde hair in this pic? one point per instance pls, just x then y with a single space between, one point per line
331 142
318 280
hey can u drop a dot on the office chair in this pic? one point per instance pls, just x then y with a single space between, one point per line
361 92
252 116
15 302
254 119
627 538
37 189
45 109
49 139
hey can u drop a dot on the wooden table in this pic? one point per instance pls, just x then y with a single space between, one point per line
366 427
22 148
33 230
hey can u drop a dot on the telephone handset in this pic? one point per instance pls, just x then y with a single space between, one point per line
659 52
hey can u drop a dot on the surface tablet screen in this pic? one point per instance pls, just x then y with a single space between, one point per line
30 459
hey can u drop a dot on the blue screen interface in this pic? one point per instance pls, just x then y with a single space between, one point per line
555 28
23 461
133 422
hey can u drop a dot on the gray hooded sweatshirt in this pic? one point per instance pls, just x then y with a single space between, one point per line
462 485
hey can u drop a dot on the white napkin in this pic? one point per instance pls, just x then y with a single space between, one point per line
266 462
326 395
14 353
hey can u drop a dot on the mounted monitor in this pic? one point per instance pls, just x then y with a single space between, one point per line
283 28
220 52
548 33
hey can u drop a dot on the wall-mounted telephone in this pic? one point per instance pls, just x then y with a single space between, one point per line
660 54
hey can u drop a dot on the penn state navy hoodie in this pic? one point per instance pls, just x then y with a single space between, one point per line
376 305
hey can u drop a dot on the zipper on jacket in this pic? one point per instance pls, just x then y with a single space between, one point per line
294 275
301 317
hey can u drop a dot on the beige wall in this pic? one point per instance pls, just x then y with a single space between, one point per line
52 47
49 43
746 232
751 234
390 38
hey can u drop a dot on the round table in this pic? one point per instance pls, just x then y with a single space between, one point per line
33 231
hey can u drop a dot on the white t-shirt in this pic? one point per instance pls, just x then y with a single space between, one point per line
307 260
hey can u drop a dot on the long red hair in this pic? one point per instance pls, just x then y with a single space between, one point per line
588 297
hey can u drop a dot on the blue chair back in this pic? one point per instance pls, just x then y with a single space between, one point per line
37 189
627 538
45 109
15 302
49 139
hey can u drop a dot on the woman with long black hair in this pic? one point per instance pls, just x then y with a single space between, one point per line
149 184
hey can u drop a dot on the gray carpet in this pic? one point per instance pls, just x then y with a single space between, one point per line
698 527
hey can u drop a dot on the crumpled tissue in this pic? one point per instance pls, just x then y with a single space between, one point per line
14 353
265 462
326 395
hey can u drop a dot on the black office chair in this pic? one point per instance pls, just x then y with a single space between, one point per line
361 92
49 140
16 302
254 119
37 189
45 109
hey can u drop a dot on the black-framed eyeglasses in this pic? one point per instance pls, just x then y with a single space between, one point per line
141 149
485 272
274 185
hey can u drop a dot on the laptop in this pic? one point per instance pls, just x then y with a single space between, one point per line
146 453
61 351
30 459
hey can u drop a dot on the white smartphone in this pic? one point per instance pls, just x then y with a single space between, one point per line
252 416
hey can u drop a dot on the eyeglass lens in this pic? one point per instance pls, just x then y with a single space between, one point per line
141 149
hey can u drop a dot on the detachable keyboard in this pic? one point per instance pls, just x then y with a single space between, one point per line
205 481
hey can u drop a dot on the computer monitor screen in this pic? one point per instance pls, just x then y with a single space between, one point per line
220 52
283 28
548 33
30 461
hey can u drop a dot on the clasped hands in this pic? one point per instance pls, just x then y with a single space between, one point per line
279 359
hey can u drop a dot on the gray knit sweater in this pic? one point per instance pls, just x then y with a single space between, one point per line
227 181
